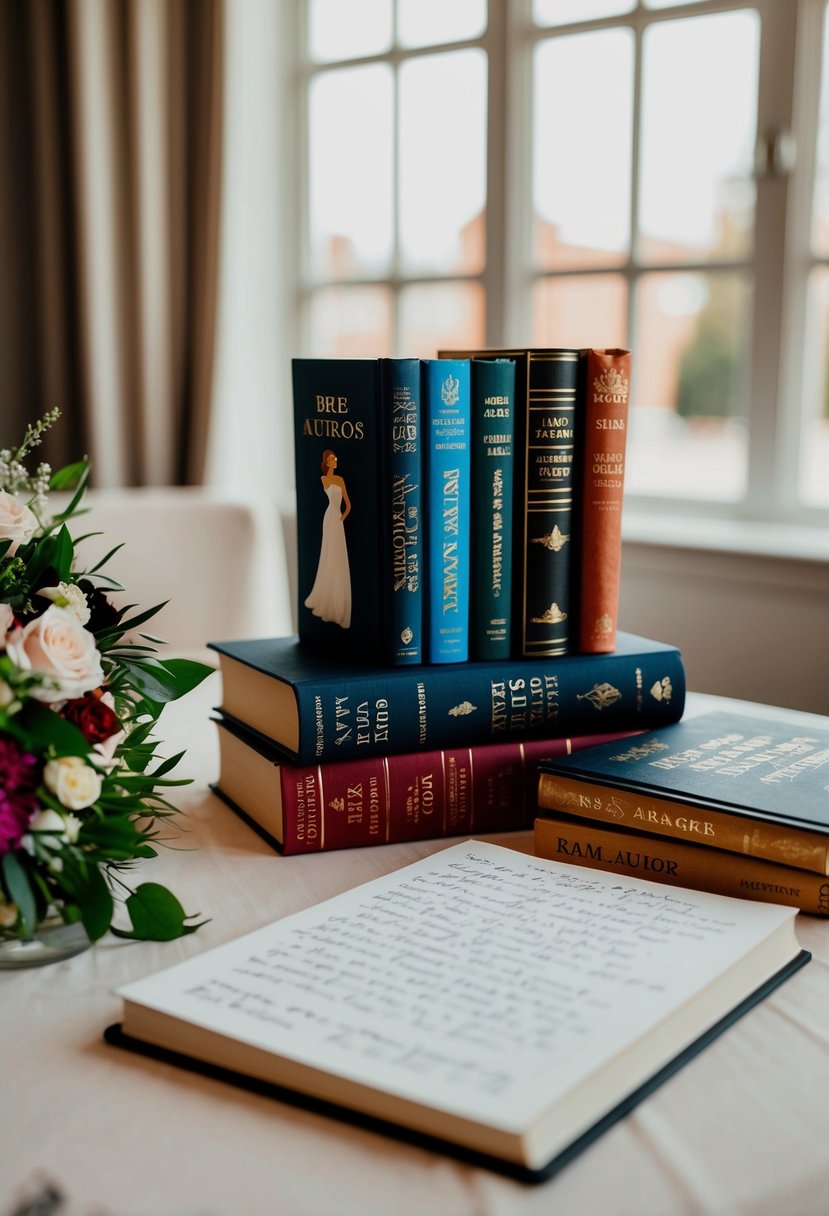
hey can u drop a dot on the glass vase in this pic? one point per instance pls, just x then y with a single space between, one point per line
51 942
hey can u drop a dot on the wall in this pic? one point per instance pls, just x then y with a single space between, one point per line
749 625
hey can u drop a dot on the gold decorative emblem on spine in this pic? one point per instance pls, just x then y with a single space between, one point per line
406 636
604 624
460 711
600 696
553 616
662 690
337 804
611 384
555 540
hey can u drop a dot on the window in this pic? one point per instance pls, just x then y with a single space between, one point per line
590 172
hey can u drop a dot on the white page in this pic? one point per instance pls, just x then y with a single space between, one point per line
479 980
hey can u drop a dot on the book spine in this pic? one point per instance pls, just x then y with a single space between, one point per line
784 845
403 513
544 507
340 552
493 438
420 796
606 393
680 864
446 406
431 707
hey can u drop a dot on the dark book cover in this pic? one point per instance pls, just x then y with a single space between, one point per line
402 506
493 458
346 710
339 479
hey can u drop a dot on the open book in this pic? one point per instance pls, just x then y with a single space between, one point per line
509 1006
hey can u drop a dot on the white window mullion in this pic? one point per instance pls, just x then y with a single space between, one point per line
764 385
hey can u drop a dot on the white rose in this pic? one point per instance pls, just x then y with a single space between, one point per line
57 647
74 783
6 623
68 595
16 521
61 828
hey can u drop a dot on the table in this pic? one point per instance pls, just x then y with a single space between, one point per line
743 1129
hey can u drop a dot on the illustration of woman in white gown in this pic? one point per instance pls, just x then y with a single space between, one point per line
330 596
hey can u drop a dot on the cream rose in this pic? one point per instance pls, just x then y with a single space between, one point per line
57 647
74 783
16 521
6 622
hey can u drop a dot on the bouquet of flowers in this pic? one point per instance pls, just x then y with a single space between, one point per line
81 786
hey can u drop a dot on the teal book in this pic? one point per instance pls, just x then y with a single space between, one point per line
402 506
548 388
447 463
316 707
493 439
730 781
338 445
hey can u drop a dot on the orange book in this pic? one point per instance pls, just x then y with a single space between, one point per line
605 420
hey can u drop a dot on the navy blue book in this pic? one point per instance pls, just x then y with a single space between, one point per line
493 436
736 782
447 464
402 510
338 446
317 708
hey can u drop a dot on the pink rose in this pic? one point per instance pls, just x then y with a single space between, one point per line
57 647
16 521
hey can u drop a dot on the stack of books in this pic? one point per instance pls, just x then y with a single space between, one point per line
723 802
344 736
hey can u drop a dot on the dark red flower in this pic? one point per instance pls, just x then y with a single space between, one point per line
18 782
102 614
95 720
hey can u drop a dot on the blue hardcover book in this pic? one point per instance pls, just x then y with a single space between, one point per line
493 435
316 707
401 389
446 445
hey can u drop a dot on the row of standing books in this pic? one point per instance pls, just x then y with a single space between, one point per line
462 507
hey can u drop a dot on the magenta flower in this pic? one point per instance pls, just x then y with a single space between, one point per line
18 782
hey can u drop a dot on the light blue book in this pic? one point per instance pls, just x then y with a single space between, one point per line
446 446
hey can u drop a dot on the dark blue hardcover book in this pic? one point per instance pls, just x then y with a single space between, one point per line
733 781
317 708
339 479
493 438
446 450
403 518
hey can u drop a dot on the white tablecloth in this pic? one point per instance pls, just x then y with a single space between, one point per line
744 1128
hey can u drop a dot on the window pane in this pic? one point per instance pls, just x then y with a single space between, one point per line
562 12
441 315
590 310
820 217
350 188
699 119
814 461
443 162
582 115
687 435
345 29
421 22
350 322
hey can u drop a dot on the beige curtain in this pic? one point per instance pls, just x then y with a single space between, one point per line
110 147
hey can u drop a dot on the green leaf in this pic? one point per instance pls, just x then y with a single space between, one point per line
20 892
40 728
67 478
64 553
156 915
187 673
95 902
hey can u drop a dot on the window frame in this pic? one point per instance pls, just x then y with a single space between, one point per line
778 266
